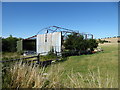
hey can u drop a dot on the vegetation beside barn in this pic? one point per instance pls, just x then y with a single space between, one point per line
98 70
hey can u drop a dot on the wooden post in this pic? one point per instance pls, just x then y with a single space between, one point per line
38 58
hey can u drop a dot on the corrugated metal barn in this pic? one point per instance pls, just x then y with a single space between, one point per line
43 43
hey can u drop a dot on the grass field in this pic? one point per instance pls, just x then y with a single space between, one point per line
106 61
99 70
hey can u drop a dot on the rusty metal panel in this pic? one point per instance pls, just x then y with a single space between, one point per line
45 42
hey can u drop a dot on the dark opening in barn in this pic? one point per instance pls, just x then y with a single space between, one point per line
26 45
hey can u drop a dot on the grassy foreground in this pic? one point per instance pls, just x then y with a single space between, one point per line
107 61
98 70
103 63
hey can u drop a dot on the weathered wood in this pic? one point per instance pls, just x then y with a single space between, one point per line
42 63
17 59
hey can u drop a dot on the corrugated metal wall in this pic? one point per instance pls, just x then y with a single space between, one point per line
19 45
45 42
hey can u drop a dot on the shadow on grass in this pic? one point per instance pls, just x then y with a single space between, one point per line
63 59
49 62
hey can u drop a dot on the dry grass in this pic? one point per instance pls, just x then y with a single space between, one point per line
91 80
32 76
98 70
25 76
113 40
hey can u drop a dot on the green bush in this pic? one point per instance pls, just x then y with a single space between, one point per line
103 41
76 42
92 43
51 54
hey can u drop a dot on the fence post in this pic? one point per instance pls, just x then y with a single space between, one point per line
38 58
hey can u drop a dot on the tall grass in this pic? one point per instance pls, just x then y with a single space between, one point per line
32 76
91 80
98 70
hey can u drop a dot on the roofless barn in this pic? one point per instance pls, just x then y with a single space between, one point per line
53 38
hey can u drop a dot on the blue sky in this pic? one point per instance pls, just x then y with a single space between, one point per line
25 19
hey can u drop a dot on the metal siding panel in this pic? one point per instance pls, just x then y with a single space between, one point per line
53 40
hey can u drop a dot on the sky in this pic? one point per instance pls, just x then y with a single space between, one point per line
25 19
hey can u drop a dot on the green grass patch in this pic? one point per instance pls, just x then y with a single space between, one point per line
99 70
106 61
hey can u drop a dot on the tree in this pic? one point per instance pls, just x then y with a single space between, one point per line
9 44
76 42
73 41
4 44
92 43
